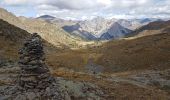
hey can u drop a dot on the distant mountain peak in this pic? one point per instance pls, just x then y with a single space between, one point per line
115 31
46 17
116 24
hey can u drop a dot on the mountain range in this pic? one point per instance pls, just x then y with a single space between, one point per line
99 28
75 33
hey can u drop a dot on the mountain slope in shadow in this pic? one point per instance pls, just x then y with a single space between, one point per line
151 29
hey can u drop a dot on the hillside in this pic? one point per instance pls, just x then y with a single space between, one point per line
9 17
151 29
50 32
11 39
150 52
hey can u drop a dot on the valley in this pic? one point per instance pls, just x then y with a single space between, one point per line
91 60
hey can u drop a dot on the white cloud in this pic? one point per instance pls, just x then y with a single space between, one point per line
82 9
15 2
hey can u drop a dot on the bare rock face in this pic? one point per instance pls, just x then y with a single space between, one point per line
34 72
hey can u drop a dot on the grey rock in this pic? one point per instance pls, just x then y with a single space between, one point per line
20 97
32 63
31 96
4 97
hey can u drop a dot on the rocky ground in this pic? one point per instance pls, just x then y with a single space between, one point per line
148 85
66 89
30 78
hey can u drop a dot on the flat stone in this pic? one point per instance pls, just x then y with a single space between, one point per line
28 79
20 97
27 75
29 86
32 83
29 67
35 62
31 96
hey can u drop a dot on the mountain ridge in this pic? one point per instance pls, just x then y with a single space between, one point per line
152 28
99 28
50 32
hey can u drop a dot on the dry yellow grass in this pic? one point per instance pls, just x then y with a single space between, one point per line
151 52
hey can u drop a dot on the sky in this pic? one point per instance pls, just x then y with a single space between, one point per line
87 9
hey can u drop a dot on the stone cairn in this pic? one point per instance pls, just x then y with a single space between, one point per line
34 72
35 80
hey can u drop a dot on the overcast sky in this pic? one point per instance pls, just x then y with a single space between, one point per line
84 9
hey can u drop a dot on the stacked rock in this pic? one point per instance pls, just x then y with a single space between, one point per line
34 72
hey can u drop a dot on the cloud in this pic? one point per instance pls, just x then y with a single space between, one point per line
15 2
82 9
75 4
